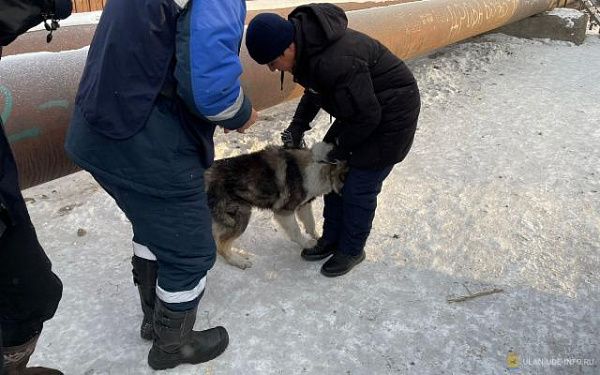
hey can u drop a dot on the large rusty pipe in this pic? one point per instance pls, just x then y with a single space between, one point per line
37 90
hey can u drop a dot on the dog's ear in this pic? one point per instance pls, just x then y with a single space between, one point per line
320 150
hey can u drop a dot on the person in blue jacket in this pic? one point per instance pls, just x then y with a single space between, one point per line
160 76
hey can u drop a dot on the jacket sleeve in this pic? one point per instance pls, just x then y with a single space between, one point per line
208 66
306 111
354 100
18 16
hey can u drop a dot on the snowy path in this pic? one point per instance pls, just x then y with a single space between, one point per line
501 190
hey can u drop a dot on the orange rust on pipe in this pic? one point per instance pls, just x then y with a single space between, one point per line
415 29
37 90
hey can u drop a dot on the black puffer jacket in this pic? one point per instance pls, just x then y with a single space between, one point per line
371 93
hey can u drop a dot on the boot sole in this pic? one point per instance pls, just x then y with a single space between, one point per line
335 274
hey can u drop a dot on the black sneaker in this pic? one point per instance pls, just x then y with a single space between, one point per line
340 264
320 251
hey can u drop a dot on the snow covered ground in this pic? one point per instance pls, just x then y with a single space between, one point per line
501 190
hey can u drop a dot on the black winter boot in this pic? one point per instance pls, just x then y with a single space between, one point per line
144 276
17 357
320 251
175 343
340 264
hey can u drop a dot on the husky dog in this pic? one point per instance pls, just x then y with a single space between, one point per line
282 180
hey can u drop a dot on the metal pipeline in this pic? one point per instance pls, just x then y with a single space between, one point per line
37 90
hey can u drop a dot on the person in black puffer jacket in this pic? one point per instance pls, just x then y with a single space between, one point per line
29 290
372 95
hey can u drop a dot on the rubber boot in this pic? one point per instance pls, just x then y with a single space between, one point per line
16 359
144 277
176 343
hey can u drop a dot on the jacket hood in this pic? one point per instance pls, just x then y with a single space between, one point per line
317 26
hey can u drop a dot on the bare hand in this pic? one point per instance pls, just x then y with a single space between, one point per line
249 123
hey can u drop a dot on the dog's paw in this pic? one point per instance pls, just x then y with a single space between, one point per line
239 259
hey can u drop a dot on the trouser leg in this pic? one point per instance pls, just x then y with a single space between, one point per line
359 202
332 218
177 231
29 290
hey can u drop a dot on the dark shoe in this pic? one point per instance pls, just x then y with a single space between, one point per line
16 359
320 251
175 343
340 264
144 276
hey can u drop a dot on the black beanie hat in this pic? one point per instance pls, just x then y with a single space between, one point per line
268 35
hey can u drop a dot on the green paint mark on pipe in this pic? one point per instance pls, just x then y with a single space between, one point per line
8 103
29 133
54 103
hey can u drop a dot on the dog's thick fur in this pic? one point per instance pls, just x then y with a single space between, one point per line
282 180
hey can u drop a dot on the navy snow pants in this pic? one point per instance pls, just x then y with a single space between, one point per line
178 233
348 217
156 177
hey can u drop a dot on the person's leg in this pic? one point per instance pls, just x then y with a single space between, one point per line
183 264
143 262
29 293
29 290
360 202
359 196
332 218
177 231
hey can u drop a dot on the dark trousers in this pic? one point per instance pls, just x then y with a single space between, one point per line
178 231
29 290
156 177
348 217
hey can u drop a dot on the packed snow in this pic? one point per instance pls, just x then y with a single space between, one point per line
501 190
567 14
